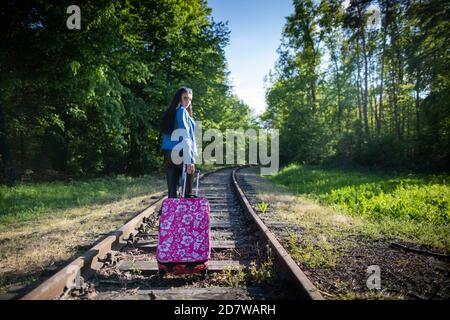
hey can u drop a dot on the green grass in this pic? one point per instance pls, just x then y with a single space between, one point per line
28 201
424 198
413 207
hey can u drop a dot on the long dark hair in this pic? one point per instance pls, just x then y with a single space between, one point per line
168 119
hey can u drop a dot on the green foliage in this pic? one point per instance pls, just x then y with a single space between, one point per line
344 92
263 207
422 198
89 101
134 269
256 273
422 203
233 277
264 272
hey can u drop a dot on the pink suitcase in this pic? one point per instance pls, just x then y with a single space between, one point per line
184 244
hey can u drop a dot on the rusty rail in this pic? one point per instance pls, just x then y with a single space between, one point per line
293 271
89 262
92 260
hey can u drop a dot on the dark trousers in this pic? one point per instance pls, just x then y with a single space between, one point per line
173 174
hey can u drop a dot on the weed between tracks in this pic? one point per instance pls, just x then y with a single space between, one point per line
259 272
241 276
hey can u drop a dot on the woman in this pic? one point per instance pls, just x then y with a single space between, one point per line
179 116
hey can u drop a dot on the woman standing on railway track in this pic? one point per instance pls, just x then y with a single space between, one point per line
179 116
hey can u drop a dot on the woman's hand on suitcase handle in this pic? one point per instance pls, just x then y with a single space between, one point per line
190 168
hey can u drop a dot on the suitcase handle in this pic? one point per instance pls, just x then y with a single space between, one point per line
183 181
196 187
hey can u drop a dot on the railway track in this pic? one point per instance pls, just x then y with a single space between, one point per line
247 261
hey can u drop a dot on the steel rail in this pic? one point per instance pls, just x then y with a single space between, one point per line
93 259
293 271
90 261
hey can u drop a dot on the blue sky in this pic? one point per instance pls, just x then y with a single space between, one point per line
256 27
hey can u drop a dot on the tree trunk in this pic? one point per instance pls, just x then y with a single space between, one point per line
358 85
373 98
383 54
395 118
338 85
366 85
22 152
361 34
5 152
372 107
394 103
314 84
418 133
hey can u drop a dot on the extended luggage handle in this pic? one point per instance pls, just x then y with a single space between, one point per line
183 181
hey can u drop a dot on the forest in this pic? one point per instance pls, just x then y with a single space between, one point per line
88 102
344 91
348 89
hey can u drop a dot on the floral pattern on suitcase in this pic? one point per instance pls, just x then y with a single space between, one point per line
184 231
